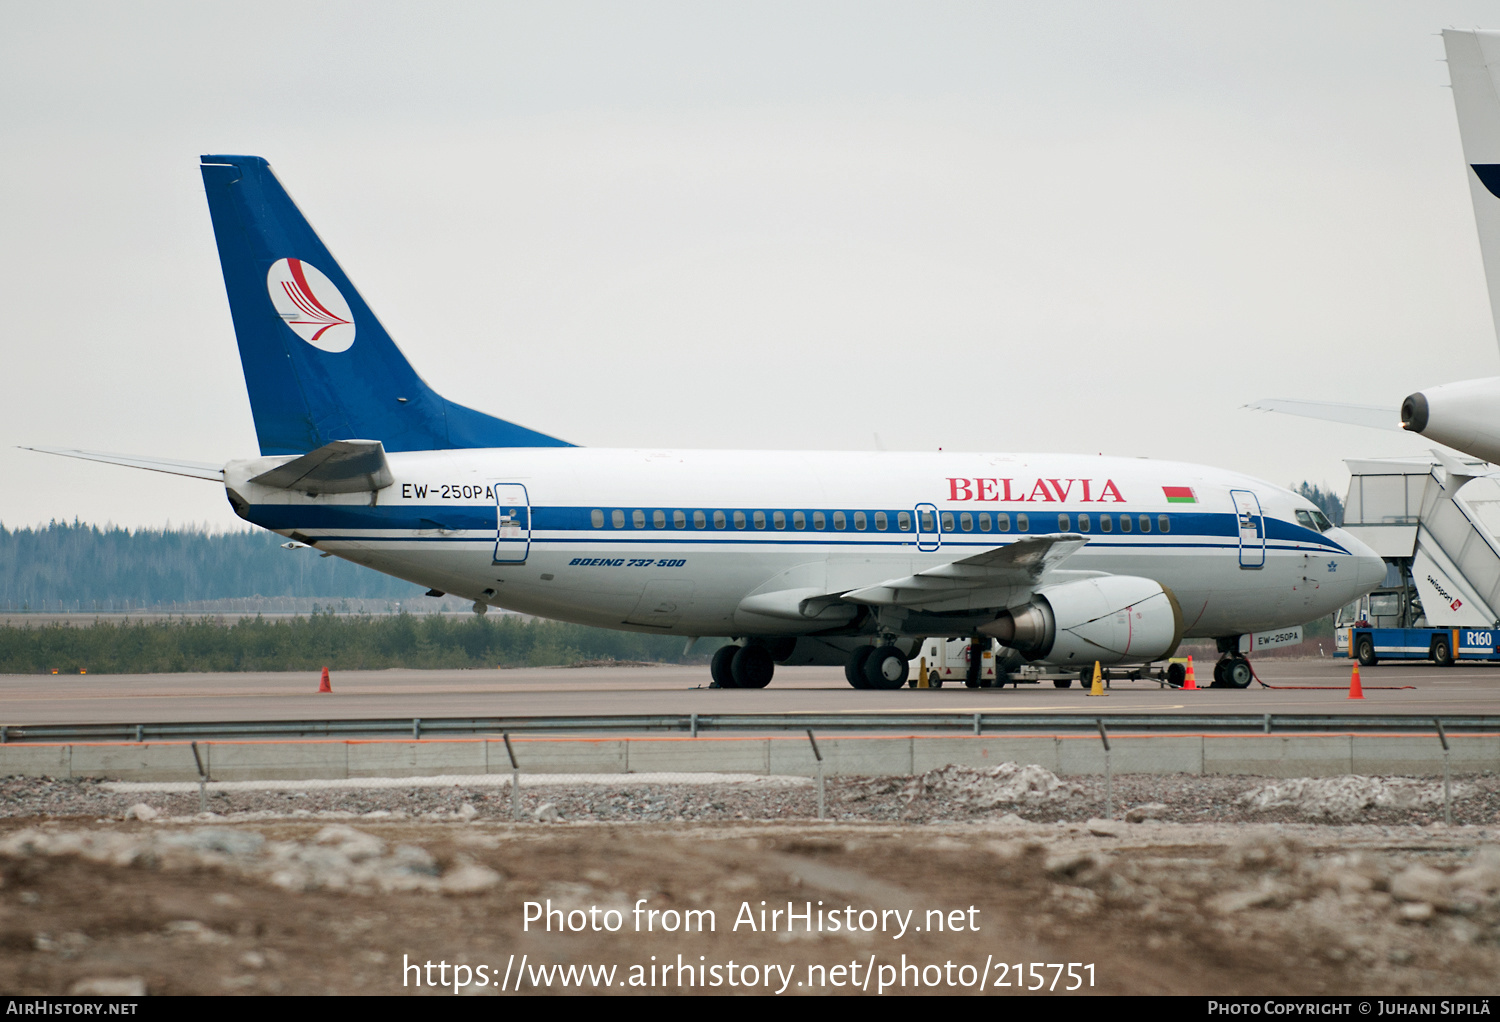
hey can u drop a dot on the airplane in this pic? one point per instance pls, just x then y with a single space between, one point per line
1464 415
849 558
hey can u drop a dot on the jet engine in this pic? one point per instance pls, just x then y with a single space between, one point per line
1112 619
1458 415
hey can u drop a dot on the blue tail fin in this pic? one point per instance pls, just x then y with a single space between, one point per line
318 364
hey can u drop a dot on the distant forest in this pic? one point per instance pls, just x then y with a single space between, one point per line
340 643
78 567
1331 503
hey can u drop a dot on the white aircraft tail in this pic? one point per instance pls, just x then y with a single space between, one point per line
1474 67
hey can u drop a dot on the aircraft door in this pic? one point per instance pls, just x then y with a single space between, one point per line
1251 527
512 523
929 532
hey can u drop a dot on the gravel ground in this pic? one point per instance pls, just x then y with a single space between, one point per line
970 797
1343 885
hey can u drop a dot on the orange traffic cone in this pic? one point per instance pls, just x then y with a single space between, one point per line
1189 684
1356 691
323 685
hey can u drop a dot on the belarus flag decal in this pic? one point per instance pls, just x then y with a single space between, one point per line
1179 494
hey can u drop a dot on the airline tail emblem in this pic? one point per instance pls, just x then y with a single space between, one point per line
310 305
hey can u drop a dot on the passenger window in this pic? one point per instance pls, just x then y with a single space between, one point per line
1145 523
839 521
903 521
984 521
819 521
659 519
860 521
1023 523
882 521
719 520
760 519
1064 524
947 519
778 519
1163 523
617 519
1124 523
679 519
1083 523
799 520
596 518
1106 523
700 520
638 519
966 522
739 519
1002 523
928 520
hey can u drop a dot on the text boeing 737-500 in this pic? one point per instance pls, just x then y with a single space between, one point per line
806 558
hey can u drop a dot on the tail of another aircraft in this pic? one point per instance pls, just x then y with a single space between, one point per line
318 365
1473 63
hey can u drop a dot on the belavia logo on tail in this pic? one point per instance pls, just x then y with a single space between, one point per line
309 303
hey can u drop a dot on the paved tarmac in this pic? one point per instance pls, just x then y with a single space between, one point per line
1305 686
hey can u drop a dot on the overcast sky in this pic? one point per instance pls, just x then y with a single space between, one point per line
1083 227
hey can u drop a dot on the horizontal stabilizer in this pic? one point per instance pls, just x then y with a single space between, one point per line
344 466
1017 565
1372 416
191 469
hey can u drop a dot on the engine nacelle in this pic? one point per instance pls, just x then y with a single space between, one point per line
1464 416
1112 619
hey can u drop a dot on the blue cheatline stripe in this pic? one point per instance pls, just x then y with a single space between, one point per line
594 542
459 518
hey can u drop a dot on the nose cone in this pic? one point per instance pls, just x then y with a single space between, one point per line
1370 568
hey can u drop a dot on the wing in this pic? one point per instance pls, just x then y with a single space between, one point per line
191 469
1333 411
988 579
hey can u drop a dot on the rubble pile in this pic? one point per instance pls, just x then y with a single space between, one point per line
336 858
1345 798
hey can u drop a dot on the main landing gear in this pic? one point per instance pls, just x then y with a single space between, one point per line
749 666
877 667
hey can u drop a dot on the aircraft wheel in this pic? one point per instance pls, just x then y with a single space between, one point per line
1237 673
1364 649
1442 653
854 667
718 667
1086 678
1062 682
1218 681
752 667
886 668
1176 675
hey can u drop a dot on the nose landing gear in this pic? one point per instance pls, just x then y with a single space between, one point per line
1233 671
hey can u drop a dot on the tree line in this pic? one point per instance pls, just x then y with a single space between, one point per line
75 566
338 642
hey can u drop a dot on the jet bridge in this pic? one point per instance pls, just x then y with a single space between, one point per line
1436 522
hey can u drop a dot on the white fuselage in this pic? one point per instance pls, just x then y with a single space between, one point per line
673 541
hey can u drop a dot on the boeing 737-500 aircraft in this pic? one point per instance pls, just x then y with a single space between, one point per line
805 558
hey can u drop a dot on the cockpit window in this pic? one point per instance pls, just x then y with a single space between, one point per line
1313 519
